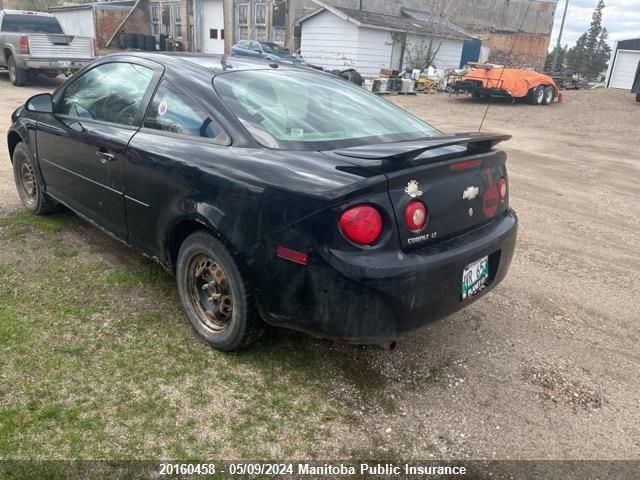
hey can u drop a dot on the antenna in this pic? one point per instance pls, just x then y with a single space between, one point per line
524 17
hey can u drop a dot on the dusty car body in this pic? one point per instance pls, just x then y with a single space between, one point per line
262 200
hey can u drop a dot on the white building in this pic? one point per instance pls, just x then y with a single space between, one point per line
623 64
340 38
212 26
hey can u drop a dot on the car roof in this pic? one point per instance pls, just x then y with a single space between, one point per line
210 64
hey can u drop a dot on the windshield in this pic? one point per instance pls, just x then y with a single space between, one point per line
274 47
30 24
296 110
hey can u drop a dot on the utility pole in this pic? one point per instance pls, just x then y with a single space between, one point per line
555 55
228 11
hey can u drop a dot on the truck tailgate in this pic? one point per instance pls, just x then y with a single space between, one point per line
67 47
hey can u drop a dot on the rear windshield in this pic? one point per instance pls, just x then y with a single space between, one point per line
31 24
296 110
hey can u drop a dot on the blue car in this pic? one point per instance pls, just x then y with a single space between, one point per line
266 50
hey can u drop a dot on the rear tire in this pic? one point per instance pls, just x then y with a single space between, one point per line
549 94
536 95
29 189
215 295
18 76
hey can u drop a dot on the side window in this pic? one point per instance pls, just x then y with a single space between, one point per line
244 44
172 111
111 92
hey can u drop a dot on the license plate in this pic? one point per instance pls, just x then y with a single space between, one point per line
474 277
64 64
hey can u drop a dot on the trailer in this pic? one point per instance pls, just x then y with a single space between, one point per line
486 81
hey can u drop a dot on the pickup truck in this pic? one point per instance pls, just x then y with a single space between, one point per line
34 42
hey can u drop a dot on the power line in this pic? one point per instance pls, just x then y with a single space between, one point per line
524 17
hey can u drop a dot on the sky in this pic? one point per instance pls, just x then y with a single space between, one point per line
621 17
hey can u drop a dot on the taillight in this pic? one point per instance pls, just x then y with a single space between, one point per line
415 215
24 44
502 189
361 224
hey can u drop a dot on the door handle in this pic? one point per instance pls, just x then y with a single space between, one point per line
105 156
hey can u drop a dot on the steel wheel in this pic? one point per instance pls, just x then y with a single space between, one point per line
539 95
27 182
29 189
215 296
210 293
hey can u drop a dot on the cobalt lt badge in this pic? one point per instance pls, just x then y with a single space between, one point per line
413 189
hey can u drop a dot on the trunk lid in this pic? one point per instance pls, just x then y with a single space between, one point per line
455 176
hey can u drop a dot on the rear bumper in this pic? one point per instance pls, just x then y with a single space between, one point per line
373 297
26 62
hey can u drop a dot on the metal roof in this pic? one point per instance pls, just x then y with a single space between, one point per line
412 21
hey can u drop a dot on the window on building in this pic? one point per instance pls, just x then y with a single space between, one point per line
243 20
279 35
213 33
222 34
155 20
260 12
177 20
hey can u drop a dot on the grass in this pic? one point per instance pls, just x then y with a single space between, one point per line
98 362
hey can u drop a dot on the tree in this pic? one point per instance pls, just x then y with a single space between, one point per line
422 54
560 65
591 53
575 58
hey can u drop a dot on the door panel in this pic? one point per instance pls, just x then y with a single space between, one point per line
75 173
82 145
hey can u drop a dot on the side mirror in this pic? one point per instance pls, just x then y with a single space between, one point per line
258 50
42 103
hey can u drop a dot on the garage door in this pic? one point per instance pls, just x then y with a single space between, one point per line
624 70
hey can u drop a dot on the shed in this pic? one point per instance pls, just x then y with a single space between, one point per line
97 20
339 38
624 63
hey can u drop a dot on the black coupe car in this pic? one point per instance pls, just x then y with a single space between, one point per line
275 193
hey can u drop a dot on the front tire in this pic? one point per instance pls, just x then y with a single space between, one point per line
17 75
214 294
29 189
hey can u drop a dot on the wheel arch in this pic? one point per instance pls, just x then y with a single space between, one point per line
178 232
6 53
13 139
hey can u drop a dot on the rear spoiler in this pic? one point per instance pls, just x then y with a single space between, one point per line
408 151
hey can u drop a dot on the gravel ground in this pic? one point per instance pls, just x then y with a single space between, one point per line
544 367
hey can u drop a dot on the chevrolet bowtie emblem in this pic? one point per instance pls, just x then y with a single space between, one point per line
470 193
